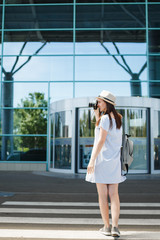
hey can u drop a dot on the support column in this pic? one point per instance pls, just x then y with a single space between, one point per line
7 116
136 89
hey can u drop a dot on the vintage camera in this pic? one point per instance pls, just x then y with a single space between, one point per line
94 105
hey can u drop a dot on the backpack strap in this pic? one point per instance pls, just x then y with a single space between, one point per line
124 174
125 136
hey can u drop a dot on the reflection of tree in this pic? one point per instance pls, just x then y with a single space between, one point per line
32 121
135 77
137 131
58 125
7 101
157 154
87 125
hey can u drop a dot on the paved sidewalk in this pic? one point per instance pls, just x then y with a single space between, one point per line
32 185
45 205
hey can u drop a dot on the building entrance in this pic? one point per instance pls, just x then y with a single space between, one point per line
72 125
134 123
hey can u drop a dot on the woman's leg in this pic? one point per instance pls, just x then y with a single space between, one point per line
103 202
115 203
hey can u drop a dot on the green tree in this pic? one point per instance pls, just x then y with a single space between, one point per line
32 121
87 124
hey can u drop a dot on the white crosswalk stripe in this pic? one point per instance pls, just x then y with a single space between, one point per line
66 234
75 214
77 204
74 211
78 221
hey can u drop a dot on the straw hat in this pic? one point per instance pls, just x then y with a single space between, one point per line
107 97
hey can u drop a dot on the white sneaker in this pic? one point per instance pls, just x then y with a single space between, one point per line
115 232
106 231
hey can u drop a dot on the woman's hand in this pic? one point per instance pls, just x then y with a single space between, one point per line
97 115
90 168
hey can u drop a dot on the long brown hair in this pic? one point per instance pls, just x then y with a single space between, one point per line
117 116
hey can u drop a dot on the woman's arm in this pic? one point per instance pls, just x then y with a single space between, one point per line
96 150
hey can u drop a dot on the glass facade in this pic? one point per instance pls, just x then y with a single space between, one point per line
86 136
137 128
62 140
52 50
157 141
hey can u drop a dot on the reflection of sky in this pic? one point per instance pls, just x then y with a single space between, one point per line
156 129
68 122
140 122
65 120
90 68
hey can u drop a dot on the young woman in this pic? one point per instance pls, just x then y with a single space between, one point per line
104 167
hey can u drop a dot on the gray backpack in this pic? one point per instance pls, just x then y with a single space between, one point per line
126 154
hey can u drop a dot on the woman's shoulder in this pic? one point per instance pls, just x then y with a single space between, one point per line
105 117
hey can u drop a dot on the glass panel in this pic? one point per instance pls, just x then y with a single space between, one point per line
121 42
0 18
153 1
153 15
156 132
51 139
137 128
109 1
154 62
117 36
63 136
154 37
23 148
122 112
14 40
86 135
24 94
37 1
59 91
118 88
35 17
0 86
106 68
144 89
24 121
40 68
110 16
14 48
0 48
154 89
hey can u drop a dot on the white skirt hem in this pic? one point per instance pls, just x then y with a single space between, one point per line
106 182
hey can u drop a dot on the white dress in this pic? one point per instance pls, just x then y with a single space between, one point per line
107 165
